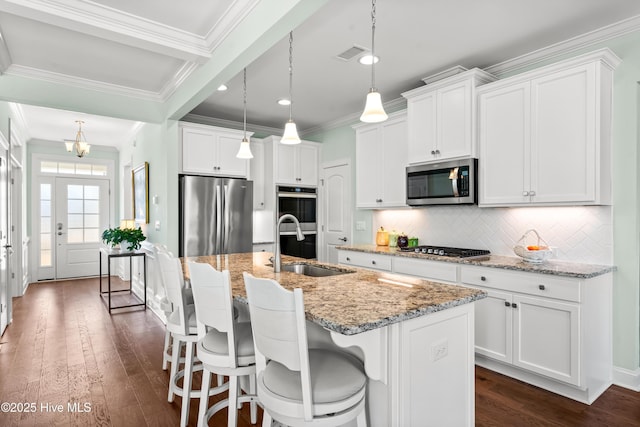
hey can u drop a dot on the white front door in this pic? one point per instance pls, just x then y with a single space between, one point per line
337 207
81 213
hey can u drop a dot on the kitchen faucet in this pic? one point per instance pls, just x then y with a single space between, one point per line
277 261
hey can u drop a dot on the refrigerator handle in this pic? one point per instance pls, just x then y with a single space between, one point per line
218 247
226 219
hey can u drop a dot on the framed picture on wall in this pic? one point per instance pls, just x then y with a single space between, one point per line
140 183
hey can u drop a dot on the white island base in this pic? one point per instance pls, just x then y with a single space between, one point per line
421 371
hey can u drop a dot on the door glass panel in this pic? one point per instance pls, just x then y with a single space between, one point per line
49 167
83 169
100 170
67 168
46 238
83 213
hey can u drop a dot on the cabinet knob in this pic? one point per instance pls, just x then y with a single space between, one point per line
344 239
348 259
525 193
507 304
433 152
514 305
373 262
437 151
541 287
532 193
484 279
378 200
261 203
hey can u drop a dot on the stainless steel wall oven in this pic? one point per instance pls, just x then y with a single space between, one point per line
301 202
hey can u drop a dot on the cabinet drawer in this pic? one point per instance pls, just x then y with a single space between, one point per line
366 260
430 270
528 283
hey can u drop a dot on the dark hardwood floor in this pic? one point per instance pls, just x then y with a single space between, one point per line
64 348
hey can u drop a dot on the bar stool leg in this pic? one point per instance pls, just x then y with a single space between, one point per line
186 384
175 361
204 397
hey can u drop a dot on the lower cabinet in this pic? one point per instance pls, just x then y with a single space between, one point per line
550 331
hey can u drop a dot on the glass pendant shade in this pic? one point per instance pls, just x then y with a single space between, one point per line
290 136
245 150
373 110
69 145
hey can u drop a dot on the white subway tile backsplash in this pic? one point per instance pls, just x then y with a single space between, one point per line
579 234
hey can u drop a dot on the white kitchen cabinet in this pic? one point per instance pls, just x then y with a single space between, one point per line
545 135
426 269
365 259
296 164
257 174
212 150
381 160
263 247
441 117
550 331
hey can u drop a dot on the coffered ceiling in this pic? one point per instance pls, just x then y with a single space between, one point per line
147 60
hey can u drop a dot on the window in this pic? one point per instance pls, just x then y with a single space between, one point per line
83 213
49 167
46 237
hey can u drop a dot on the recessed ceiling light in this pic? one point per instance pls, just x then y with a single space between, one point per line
222 88
284 102
368 59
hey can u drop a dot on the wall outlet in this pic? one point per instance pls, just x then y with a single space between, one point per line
361 225
157 226
439 349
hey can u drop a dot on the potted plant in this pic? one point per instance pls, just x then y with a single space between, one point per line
128 238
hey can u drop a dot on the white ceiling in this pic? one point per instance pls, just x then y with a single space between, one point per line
149 51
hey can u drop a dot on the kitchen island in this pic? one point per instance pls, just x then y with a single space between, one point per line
414 336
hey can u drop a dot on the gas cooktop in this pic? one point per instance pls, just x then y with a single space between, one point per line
448 252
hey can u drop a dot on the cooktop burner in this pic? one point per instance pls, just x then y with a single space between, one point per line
450 252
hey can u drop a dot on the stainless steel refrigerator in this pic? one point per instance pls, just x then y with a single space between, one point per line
216 215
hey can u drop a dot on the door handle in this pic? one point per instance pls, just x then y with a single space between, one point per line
344 239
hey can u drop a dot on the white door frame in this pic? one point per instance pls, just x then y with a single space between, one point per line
37 177
322 250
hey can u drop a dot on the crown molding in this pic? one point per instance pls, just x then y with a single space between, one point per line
232 17
5 56
230 124
573 44
58 78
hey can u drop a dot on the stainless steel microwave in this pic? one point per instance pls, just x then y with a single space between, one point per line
444 183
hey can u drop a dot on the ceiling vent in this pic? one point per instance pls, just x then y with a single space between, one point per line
351 53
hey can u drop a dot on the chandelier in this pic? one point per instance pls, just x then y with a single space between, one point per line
80 145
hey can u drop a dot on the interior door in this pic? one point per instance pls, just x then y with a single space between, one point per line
82 212
337 209
4 255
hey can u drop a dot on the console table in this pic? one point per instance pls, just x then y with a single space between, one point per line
110 254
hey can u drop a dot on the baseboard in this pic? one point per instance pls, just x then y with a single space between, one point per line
627 378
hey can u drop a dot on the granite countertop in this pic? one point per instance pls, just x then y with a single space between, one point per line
554 267
350 303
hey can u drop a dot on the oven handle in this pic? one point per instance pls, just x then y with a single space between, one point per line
298 195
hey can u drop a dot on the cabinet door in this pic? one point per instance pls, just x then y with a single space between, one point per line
454 121
226 162
563 154
421 113
257 174
307 164
505 145
546 337
198 151
494 328
368 173
286 164
394 163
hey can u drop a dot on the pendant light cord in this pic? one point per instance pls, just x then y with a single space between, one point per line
290 73
244 118
373 49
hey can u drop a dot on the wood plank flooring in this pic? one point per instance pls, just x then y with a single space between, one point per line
64 348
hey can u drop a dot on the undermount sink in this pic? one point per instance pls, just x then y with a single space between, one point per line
314 270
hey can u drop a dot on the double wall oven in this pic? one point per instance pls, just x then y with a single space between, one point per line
300 202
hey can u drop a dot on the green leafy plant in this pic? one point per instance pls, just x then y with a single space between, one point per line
115 236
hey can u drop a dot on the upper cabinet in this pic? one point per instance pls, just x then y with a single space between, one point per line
441 115
296 164
381 159
545 135
212 150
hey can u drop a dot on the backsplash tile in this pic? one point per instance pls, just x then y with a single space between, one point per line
579 234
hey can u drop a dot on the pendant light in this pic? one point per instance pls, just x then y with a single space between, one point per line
373 110
81 146
245 149
290 135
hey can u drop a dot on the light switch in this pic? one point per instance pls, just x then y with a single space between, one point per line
157 227
360 225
